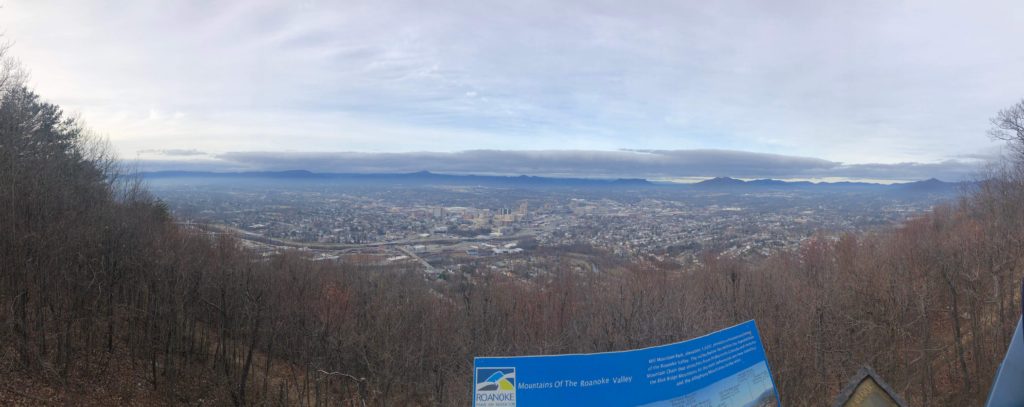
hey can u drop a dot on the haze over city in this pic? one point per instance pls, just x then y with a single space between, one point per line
884 91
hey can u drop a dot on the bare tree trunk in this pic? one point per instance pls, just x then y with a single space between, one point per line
241 400
957 335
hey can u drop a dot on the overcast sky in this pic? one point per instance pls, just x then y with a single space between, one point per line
786 89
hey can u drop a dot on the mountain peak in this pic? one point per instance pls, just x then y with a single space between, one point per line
929 181
720 181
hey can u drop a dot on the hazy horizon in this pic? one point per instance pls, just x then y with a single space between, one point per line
675 165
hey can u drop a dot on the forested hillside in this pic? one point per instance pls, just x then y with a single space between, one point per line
105 300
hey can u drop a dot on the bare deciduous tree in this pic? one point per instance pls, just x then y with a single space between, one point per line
1008 125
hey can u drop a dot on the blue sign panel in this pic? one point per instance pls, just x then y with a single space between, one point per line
1006 390
725 368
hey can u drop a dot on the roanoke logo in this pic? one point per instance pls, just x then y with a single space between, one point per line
495 387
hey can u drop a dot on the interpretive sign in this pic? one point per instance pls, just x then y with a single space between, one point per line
1007 389
867 389
725 368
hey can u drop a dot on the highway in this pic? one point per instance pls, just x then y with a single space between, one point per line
255 237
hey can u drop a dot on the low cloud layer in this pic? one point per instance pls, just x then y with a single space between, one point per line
173 152
650 164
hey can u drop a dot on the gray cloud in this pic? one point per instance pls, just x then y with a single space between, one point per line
651 164
948 170
173 152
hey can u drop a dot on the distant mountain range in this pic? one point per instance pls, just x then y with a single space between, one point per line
723 184
931 185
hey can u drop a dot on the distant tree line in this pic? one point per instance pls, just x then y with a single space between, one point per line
101 291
